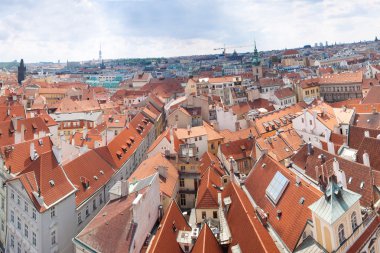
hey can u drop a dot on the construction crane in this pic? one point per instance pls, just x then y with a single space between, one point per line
230 47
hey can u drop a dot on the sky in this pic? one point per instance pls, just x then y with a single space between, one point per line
52 30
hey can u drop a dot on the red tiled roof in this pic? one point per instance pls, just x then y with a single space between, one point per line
165 239
206 242
37 177
150 166
246 229
207 196
110 151
284 93
356 135
109 231
365 236
372 96
356 171
89 167
294 215
236 149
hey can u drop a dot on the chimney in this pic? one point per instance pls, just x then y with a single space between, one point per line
366 133
14 123
57 151
84 133
310 150
340 175
32 152
330 147
162 171
366 159
22 134
188 129
124 188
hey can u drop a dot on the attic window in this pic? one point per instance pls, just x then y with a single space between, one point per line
51 182
124 148
132 139
11 131
85 182
40 141
302 200
263 165
119 154
101 172
34 126
242 147
362 185
95 177
276 187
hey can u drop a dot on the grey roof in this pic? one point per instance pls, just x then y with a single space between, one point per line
89 116
142 183
309 245
334 203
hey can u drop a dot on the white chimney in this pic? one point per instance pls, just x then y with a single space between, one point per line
84 133
378 136
22 134
32 151
366 133
124 188
57 151
366 159
330 147
171 140
340 175
163 171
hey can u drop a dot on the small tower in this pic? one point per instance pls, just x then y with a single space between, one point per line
100 53
21 72
257 69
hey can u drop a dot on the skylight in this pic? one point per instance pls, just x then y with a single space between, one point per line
276 187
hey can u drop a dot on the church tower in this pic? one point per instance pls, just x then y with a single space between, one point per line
100 53
257 69
21 72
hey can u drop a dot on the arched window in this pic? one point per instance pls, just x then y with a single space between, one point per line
354 223
341 233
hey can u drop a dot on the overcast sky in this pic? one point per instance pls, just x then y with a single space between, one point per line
51 30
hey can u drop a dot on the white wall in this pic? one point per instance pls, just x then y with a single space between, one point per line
226 120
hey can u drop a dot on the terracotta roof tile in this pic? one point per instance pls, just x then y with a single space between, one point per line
356 171
206 242
168 185
246 229
207 196
165 239
294 215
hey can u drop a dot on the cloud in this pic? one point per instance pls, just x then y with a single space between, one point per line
43 30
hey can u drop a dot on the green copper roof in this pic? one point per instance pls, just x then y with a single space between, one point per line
334 203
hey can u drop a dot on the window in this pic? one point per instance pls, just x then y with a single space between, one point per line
341 234
2 225
200 138
303 120
182 182
311 122
183 199
12 241
19 247
354 223
101 198
203 215
276 187
53 241
26 207
183 167
2 203
87 212
12 195
12 216
212 146
215 214
34 215
26 232
34 239
372 249
94 204
52 212
79 218
196 139
18 223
